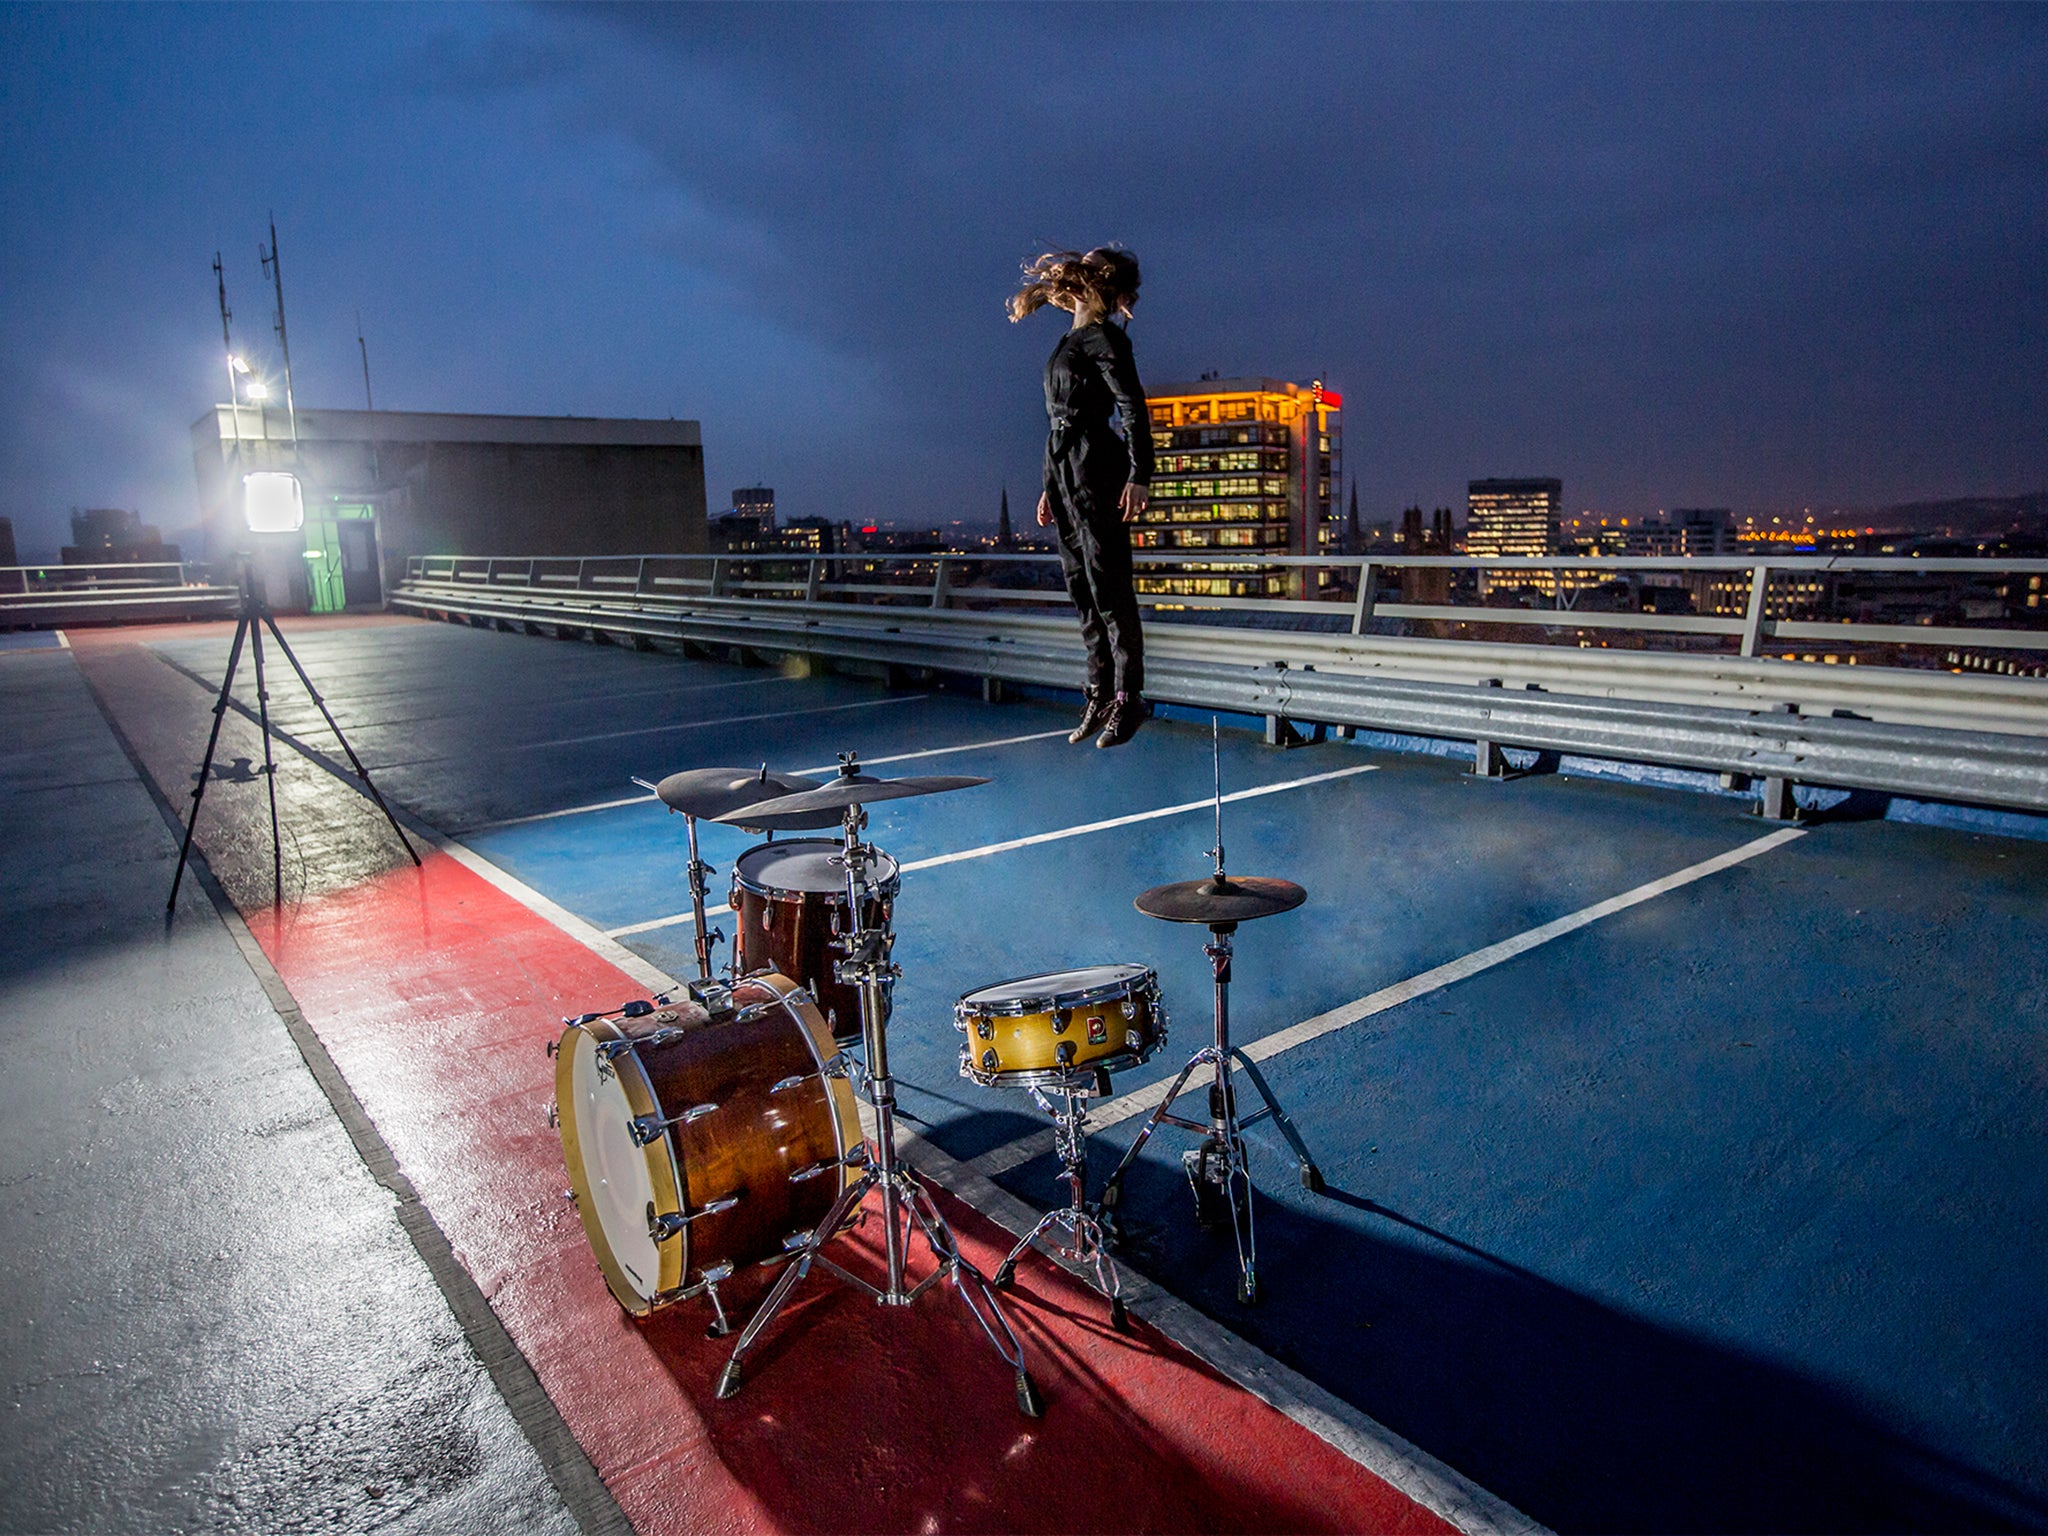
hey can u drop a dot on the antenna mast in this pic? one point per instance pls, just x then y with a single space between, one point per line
276 271
228 352
368 403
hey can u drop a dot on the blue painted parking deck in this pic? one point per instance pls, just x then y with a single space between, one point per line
1723 1209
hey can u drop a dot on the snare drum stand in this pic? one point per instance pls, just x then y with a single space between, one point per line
1090 1242
905 1201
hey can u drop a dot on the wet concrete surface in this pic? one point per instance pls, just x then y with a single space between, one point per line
214 1320
1725 1214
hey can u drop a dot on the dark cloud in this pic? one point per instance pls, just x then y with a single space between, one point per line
1760 256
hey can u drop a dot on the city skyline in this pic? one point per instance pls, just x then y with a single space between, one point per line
1772 260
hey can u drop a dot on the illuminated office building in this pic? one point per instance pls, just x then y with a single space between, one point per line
1246 465
1512 517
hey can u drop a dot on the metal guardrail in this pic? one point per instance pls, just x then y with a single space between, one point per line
653 575
48 596
1961 736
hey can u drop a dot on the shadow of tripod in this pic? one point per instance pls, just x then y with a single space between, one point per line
252 617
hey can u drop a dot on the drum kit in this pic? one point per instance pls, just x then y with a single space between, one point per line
719 1128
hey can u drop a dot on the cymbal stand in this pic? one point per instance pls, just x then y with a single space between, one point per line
1089 1241
696 871
905 1201
1218 1169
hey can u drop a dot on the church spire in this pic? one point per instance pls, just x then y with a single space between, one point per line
1006 537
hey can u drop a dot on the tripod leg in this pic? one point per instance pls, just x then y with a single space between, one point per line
334 726
771 1305
1311 1175
269 767
220 708
1112 1190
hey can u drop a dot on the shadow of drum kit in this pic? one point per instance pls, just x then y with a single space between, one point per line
719 1128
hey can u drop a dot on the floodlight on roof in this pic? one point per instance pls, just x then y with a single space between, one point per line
256 389
240 365
272 502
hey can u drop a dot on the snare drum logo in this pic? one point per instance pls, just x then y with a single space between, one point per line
1098 1030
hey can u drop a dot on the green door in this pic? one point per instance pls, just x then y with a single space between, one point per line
336 542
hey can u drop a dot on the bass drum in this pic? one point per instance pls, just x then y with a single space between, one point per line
790 898
698 1144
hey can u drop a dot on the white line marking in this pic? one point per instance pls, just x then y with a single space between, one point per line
683 725
662 922
63 641
988 850
866 762
970 746
573 810
1144 1100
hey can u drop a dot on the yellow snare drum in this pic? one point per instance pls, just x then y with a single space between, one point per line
1037 1030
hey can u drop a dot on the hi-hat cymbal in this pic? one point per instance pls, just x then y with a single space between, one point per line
1221 899
713 792
798 811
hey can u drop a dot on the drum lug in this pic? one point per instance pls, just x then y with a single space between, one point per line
554 1117
1130 1008
990 1060
647 1129
554 1045
639 1008
984 1028
664 1227
796 1081
1060 1020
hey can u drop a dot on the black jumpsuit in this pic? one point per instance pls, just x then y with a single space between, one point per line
1087 465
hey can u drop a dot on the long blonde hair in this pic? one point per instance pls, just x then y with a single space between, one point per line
1108 275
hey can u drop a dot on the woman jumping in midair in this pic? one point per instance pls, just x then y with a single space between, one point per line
1095 479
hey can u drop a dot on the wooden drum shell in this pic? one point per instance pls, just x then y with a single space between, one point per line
749 1145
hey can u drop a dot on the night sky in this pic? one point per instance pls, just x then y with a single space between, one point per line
1763 257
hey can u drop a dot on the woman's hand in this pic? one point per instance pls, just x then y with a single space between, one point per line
1136 499
1044 510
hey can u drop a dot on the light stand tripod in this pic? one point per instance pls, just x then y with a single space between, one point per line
1090 1243
905 1201
252 617
1218 1169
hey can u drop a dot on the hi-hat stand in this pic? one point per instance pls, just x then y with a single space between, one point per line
1218 1168
905 1201
252 617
